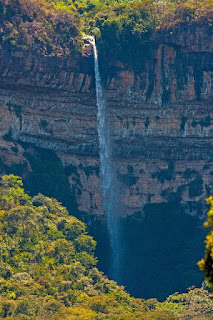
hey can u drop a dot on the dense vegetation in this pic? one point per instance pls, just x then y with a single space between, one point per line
48 269
54 26
206 265
38 26
129 25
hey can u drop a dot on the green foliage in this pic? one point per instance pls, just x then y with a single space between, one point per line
47 267
11 181
53 27
206 264
85 243
47 264
171 14
38 26
196 304
130 25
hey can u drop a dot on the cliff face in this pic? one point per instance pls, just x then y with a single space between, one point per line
161 119
163 122
162 130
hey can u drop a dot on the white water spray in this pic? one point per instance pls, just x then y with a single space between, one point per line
107 170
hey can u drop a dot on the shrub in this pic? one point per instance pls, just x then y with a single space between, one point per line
26 307
38 26
22 277
85 243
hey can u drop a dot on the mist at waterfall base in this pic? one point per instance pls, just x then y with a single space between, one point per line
109 186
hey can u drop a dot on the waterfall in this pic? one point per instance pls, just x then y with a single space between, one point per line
107 171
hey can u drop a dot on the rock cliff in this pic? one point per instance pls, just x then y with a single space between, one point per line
161 118
160 115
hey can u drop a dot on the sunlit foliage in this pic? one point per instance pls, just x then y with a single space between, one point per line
36 25
53 27
48 268
129 25
206 264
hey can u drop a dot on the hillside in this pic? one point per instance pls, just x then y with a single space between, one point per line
48 265
48 269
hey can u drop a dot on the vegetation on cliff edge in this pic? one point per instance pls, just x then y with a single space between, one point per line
53 27
206 265
38 26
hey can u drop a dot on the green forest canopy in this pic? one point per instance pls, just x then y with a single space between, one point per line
206 265
48 268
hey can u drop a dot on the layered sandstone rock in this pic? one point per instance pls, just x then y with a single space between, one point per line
160 116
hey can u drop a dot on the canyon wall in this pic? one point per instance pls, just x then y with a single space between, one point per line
161 119
162 131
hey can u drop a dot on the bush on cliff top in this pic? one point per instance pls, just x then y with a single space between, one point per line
54 26
129 25
38 26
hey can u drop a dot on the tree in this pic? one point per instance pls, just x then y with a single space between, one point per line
206 264
11 181
85 243
12 193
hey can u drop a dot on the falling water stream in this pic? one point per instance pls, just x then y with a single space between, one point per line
107 171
